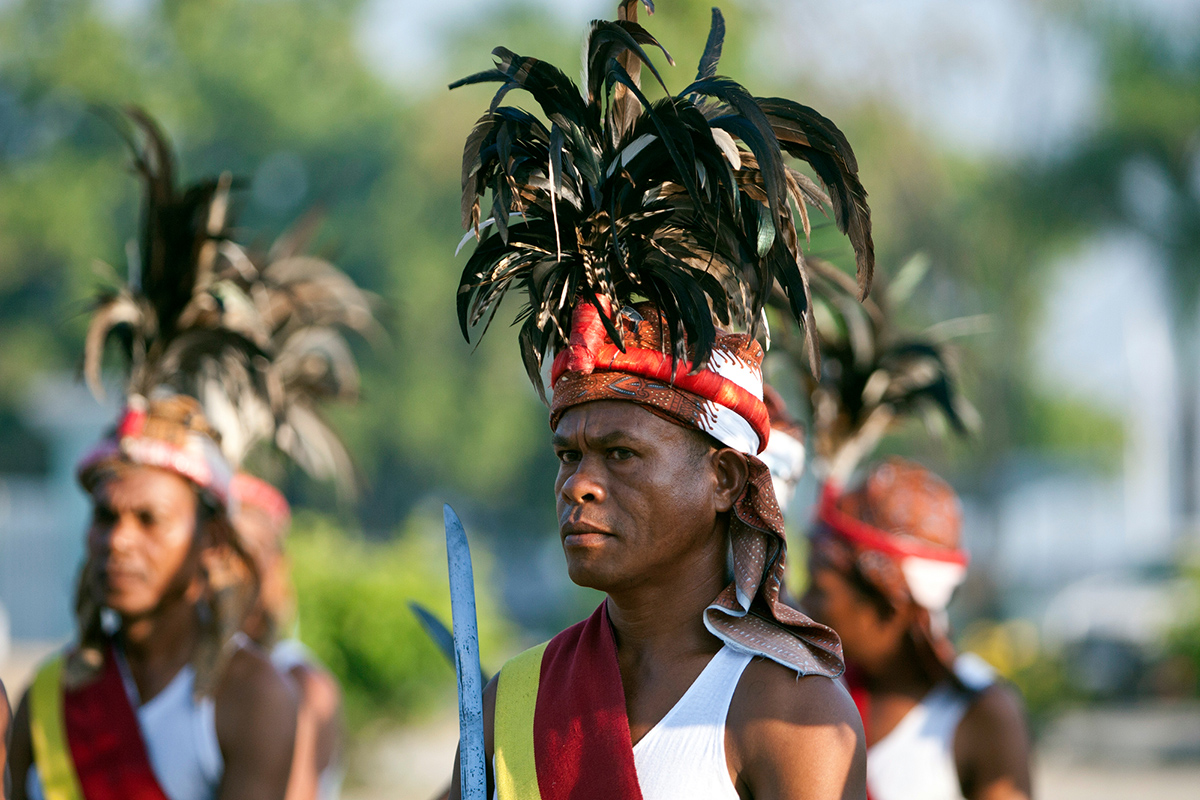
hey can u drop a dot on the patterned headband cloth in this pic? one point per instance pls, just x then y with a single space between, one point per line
725 400
169 433
902 531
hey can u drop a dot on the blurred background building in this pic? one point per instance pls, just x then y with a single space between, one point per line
1044 155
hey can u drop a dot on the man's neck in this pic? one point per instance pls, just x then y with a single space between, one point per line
900 674
665 618
157 645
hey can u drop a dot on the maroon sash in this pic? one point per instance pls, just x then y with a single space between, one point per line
106 742
581 731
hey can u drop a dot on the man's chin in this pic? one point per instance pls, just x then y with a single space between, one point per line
129 607
586 572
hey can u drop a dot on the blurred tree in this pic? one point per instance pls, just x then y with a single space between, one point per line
277 93
1139 171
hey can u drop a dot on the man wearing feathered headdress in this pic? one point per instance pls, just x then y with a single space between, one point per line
641 232
885 558
162 697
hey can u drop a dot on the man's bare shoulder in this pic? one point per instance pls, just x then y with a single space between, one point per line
319 690
796 737
252 695
768 689
992 745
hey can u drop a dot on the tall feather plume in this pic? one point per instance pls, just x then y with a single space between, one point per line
256 338
687 201
873 375
306 305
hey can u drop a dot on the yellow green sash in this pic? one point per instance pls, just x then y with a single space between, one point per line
48 731
516 698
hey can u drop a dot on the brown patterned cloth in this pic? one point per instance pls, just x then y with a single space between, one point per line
900 533
748 614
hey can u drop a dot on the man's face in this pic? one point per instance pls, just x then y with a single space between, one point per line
636 495
143 539
868 637
262 542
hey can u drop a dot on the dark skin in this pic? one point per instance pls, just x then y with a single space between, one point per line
991 745
318 725
150 537
5 720
643 507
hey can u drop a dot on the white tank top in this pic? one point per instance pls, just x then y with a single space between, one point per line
683 756
181 740
915 761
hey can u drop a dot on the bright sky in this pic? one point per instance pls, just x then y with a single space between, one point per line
985 76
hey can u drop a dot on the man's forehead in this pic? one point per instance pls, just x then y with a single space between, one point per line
609 418
142 486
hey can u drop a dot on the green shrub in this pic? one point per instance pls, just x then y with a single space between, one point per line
353 598
1183 640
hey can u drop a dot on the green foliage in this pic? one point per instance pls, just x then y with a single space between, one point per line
1066 425
1013 648
1045 688
1183 641
354 613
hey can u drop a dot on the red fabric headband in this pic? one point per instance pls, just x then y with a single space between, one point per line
732 380
867 536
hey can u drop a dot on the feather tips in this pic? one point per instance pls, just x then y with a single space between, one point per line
871 376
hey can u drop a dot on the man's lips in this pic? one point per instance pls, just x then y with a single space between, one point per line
581 534
118 576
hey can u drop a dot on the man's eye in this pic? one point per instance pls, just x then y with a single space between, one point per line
568 456
620 453
147 519
103 516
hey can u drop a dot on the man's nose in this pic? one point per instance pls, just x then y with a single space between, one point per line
585 485
121 535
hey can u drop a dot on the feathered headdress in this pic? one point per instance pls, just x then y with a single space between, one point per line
256 338
872 373
686 202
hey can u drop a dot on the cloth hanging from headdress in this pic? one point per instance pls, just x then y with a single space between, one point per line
724 399
902 532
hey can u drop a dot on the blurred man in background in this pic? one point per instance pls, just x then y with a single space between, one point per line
785 452
161 696
884 562
262 520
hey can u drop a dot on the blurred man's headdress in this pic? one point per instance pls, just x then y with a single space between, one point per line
873 375
253 338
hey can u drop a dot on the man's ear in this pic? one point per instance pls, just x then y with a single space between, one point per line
732 471
208 528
